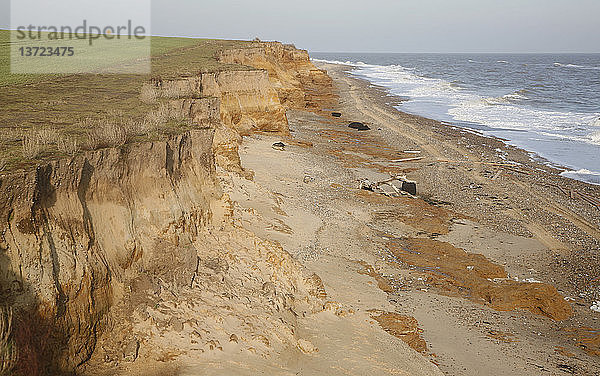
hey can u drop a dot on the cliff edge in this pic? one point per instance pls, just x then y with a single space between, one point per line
130 259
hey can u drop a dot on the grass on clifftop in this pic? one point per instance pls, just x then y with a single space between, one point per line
68 104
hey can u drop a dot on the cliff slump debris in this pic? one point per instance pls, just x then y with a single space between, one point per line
298 82
244 297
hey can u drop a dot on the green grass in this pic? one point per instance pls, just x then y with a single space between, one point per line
62 101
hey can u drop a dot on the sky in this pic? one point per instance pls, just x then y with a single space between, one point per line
468 26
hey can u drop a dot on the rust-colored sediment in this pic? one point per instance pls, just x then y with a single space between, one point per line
364 150
474 276
404 327
587 339
414 212
564 352
382 283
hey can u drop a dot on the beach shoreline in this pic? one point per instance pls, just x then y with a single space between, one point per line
297 224
470 204
546 171
396 101
497 98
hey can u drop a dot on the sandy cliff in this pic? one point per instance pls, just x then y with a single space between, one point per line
298 82
73 230
82 238
245 100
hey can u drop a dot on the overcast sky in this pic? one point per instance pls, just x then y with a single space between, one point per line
388 25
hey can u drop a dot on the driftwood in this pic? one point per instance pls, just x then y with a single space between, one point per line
507 166
497 175
479 162
406 159
572 194
592 200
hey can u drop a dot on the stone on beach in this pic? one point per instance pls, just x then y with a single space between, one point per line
359 126
279 146
410 187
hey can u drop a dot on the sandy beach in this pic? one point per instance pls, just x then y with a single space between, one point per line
300 189
243 211
489 270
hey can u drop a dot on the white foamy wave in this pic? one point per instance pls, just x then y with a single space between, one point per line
334 62
583 175
502 62
403 81
593 138
504 112
506 115
394 75
575 66
517 96
435 88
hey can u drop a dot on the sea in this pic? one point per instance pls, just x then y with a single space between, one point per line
548 104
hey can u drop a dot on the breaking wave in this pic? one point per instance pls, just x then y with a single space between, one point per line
575 66
508 111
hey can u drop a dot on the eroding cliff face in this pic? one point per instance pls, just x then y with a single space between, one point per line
132 252
298 82
72 229
246 98
255 100
247 103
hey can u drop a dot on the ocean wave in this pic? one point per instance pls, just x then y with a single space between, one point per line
451 102
516 96
506 115
575 66
502 62
403 81
334 62
593 139
583 175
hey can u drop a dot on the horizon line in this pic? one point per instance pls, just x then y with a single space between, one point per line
381 52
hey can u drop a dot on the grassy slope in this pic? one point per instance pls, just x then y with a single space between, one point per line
62 101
